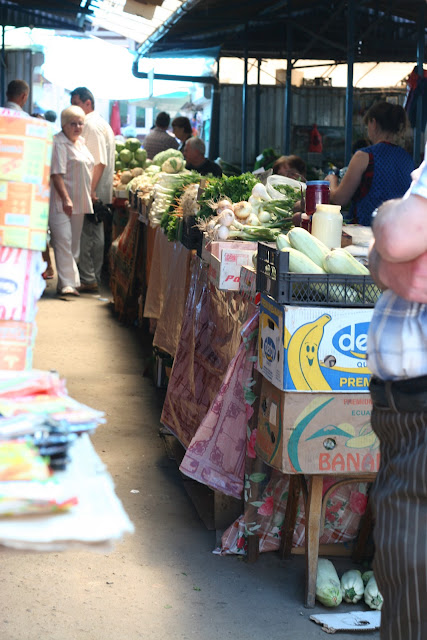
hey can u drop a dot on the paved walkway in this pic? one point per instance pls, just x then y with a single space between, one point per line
163 582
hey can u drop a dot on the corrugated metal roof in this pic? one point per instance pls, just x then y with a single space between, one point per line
47 14
385 30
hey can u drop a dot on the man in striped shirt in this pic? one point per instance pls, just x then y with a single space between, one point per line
397 357
100 141
159 139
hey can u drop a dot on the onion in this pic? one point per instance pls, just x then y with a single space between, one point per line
264 216
255 203
226 217
253 220
222 233
210 226
259 191
242 210
223 204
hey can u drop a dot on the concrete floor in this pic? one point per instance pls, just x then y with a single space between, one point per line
163 581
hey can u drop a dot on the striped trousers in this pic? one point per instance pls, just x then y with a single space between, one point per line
399 497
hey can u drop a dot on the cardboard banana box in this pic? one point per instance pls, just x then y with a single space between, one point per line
313 348
316 433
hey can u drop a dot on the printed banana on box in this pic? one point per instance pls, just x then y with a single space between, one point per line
316 433
313 348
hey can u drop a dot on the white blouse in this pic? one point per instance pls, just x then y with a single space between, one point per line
75 163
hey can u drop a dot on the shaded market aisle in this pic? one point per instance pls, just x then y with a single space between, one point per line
163 581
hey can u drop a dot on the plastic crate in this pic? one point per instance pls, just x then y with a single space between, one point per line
274 279
191 236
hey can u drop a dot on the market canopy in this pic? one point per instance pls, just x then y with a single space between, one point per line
47 14
384 30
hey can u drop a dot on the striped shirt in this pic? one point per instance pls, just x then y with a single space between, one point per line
397 337
75 163
101 142
159 140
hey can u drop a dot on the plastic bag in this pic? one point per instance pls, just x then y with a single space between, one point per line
275 180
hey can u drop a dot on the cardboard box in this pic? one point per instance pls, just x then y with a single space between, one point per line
16 345
313 348
25 148
225 260
24 214
247 284
316 433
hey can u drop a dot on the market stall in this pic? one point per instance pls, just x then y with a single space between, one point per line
290 438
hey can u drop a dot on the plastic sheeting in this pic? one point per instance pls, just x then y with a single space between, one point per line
175 291
159 271
210 338
216 455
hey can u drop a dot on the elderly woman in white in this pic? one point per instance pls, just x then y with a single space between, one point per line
71 176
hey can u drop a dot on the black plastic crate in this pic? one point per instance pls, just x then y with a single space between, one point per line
274 278
192 236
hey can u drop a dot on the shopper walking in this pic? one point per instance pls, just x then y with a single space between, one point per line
70 197
100 141
159 139
397 356
17 95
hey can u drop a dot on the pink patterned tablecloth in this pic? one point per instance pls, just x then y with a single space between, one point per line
216 454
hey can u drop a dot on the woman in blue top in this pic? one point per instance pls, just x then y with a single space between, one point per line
378 172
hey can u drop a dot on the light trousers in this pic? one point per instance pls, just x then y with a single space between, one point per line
91 252
65 240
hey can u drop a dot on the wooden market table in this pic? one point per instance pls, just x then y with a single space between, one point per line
315 508
308 437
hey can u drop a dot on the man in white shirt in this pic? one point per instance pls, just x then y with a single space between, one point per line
99 138
17 95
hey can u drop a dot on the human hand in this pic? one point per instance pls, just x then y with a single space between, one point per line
332 179
67 206
407 279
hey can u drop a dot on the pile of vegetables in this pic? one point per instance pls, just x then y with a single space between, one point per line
130 155
167 189
259 217
160 158
308 255
352 587
183 203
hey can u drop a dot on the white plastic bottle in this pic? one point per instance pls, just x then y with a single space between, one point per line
327 224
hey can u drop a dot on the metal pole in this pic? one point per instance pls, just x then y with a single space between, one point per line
244 106
420 70
258 109
3 69
215 119
349 90
288 93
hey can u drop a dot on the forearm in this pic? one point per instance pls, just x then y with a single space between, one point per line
59 185
407 279
96 177
374 267
400 229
